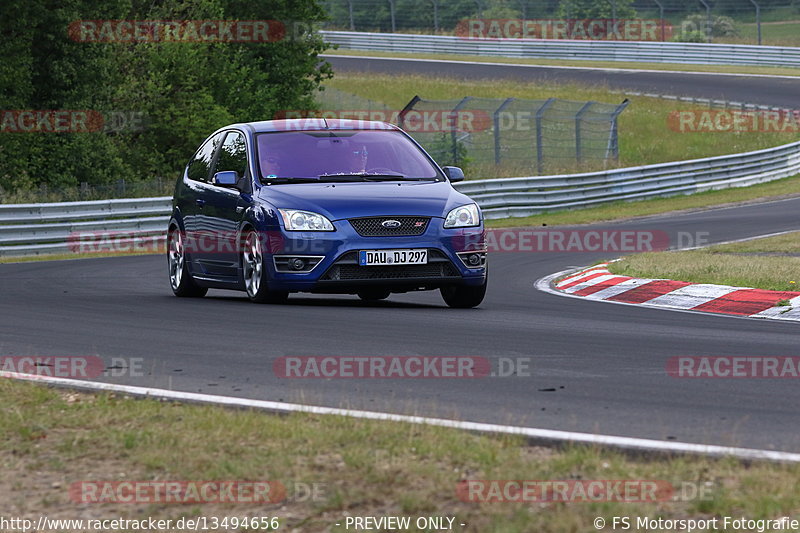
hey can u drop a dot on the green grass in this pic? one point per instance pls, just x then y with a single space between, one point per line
772 33
68 256
737 264
677 67
788 243
362 468
644 134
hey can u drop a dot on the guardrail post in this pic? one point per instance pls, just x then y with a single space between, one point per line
578 118
539 147
453 137
401 117
496 120
613 139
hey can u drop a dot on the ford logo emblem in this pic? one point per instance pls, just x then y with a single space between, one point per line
390 224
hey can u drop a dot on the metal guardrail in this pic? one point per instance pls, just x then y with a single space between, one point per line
56 228
518 197
632 51
27 229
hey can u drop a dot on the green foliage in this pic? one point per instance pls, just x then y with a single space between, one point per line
690 37
596 9
448 151
184 90
721 26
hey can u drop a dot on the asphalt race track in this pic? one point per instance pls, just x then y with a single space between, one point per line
595 367
773 91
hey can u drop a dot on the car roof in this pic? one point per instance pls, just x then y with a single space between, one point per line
312 124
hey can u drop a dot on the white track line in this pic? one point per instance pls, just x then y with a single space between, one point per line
547 435
564 67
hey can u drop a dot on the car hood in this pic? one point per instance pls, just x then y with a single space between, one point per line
349 200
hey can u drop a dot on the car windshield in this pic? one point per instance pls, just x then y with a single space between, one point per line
361 155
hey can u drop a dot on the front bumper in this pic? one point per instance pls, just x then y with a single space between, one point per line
338 270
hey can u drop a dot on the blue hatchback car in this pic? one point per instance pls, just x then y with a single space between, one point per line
323 206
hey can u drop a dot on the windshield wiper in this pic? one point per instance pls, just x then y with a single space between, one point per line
355 176
284 179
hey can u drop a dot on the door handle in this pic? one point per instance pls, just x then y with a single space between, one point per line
200 203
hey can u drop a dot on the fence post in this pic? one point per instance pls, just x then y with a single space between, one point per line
435 15
758 18
539 147
350 10
708 19
661 20
391 11
401 116
578 118
496 123
614 14
453 131
613 140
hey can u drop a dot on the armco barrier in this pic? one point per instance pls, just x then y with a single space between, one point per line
632 51
50 228
32 229
517 197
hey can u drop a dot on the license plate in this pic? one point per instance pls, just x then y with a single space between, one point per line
392 257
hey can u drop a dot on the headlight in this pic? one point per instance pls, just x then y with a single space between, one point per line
294 220
463 217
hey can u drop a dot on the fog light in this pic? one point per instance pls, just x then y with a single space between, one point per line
297 264
474 259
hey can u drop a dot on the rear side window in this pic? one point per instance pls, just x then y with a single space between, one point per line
233 155
200 166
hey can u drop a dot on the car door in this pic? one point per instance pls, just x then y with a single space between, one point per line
223 210
190 198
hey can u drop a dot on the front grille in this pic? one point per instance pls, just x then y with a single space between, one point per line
348 269
372 226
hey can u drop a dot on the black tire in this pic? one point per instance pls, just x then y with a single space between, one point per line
464 296
373 295
254 273
180 280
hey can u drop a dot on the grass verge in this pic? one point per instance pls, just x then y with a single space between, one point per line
676 67
647 135
737 264
361 468
68 256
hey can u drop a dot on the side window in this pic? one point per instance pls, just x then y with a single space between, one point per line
199 167
233 155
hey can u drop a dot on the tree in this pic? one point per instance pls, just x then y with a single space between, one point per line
185 90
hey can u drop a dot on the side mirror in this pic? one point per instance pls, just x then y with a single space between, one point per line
454 174
228 178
